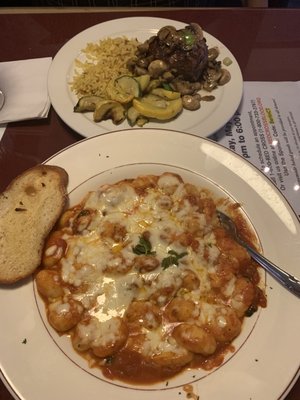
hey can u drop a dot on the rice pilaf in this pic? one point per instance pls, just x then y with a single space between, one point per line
105 60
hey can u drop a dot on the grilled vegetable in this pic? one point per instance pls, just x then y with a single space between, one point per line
143 81
166 94
132 116
123 89
152 106
87 103
107 109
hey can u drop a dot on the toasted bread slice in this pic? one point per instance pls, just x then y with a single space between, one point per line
29 208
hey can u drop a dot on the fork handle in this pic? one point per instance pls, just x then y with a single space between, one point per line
283 277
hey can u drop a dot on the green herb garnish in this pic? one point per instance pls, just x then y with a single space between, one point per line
143 247
172 259
188 37
167 86
83 213
109 360
251 310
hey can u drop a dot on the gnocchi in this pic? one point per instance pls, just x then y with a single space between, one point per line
142 277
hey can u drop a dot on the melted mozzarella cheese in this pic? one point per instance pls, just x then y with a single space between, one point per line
60 308
208 313
167 181
101 265
163 214
120 198
157 343
116 296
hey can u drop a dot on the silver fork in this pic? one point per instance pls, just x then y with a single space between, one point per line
290 282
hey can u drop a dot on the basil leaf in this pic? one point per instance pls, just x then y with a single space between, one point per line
173 259
143 247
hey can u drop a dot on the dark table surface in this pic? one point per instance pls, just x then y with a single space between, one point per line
265 43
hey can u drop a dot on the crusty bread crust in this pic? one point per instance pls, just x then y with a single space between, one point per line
29 208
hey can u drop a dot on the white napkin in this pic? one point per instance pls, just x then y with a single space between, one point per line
24 84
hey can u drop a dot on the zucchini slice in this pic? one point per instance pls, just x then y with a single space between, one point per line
132 115
166 94
87 103
109 109
143 81
123 89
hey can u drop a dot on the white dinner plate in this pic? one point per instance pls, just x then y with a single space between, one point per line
36 363
203 122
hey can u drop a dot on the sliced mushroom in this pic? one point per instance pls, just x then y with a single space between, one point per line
225 77
131 63
143 47
197 29
213 53
140 70
213 75
167 34
191 103
209 86
157 67
143 63
186 87
214 64
208 98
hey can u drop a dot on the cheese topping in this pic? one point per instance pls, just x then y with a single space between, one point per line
132 248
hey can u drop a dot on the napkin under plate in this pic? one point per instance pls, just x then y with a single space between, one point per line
24 84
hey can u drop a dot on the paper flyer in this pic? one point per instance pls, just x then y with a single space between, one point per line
265 130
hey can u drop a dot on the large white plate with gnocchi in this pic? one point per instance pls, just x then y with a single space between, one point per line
141 291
